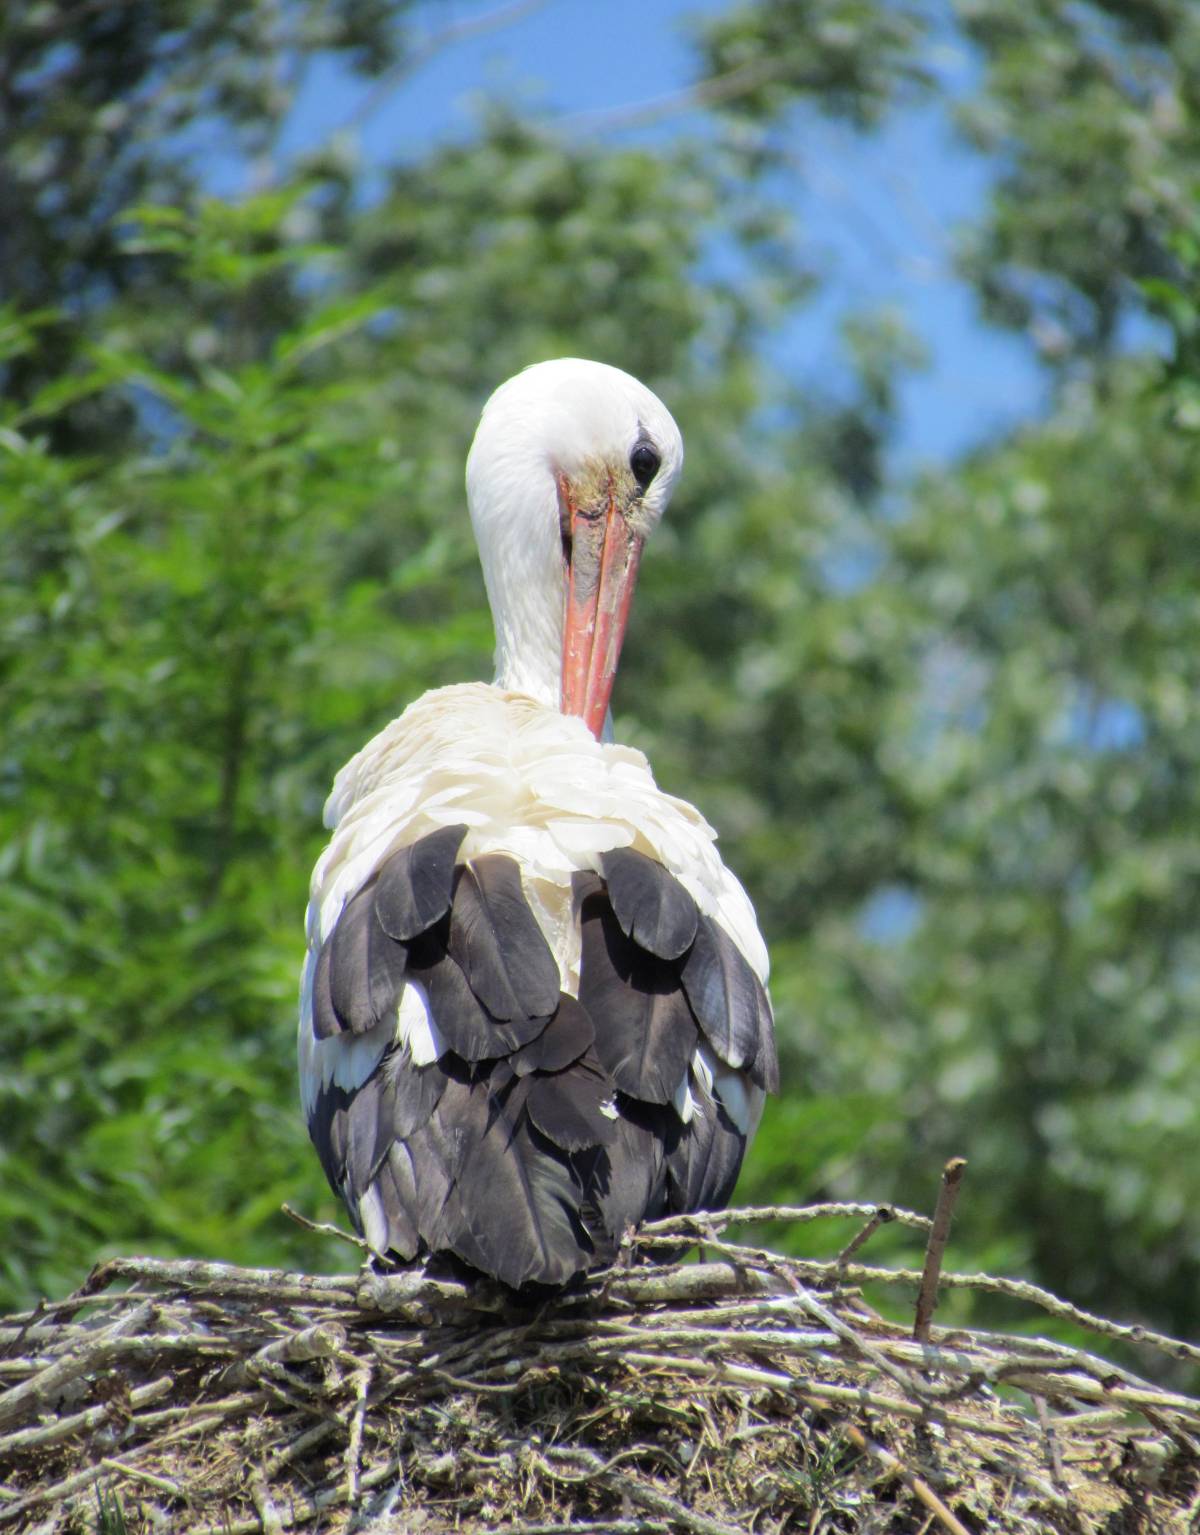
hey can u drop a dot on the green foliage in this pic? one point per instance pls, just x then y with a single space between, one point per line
1045 1000
170 722
856 57
1091 111
1178 303
107 106
948 735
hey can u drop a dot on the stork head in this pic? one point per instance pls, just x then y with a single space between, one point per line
571 468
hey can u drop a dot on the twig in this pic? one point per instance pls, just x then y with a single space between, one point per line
415 1298
952 1176
1052 1448
881 1217
1015 1289
30 1320
822 1392
404 1372
716 1281
792 1215
298 1447
920 1489
325 1228
319 1342
206 1413
590 1527
638 1493
1087 1389
362 1385
48 1311
80 1422
859 1344
222 1279
57 1493
260 1495
1169 1430
690 1282
135 1473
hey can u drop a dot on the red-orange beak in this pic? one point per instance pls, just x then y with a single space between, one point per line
602 553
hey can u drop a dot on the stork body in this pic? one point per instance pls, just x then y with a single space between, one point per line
533 1009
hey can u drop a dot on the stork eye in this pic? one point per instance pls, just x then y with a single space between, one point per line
644 461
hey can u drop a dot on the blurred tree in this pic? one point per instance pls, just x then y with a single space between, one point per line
1091 112
1038 1000
104 106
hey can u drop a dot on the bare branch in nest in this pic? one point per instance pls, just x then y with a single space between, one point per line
788 1215
921 1488
882 1216
263 1502
703 1398
327 1229
952 1176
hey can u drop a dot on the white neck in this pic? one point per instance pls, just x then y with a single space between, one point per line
528 650
521 555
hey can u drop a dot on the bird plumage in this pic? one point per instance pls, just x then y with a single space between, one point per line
533 1008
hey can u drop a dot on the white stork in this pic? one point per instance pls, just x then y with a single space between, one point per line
533 1010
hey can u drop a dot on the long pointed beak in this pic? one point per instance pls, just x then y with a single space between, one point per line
602 573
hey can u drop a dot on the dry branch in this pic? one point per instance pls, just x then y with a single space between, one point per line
921 1489
748 1391
935 1251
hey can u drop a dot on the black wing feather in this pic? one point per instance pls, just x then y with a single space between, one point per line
514 1213
417 882
437 1152
625 1182
366 966
415 1090
501 1152
397 1189
369 1134
354 1129
704 1162
566 1106
497 943
651 905
325 1022
327 1130
414 1180
647 1033
730 1004
566 1037
458 1014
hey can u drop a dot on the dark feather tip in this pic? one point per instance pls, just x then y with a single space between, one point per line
417 882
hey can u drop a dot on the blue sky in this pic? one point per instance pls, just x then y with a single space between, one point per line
878 215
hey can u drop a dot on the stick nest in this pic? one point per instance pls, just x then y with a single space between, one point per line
740 1392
